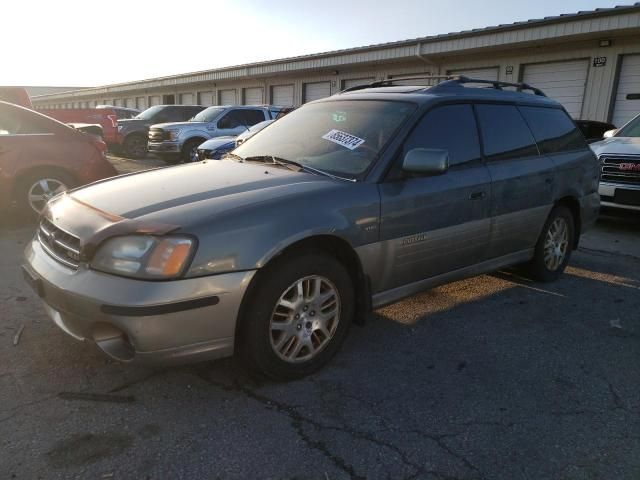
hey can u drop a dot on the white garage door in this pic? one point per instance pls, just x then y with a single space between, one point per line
253 96
155 100
562 81
419 81
141 103
478 73
118 102
206 99
130 103
282 95
627 101
186 99
316 91
228 97
354 82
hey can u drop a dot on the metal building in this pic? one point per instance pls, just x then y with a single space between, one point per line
589 61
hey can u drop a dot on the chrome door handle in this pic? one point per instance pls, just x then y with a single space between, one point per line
477 195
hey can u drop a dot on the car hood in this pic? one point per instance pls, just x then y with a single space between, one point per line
185 194
179 125
217 142
619 145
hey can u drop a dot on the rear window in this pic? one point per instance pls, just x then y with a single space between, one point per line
505 134
554 131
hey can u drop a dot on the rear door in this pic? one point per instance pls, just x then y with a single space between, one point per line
521 179
435 224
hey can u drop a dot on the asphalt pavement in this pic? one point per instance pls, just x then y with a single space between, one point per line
494 377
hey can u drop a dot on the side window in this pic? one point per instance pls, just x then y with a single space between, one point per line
554 131
505 134
251 117
450 127
232 119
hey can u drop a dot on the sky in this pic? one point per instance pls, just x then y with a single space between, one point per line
92 43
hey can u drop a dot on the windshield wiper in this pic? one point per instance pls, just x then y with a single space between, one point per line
290 163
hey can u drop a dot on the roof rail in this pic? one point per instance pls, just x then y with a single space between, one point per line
448 81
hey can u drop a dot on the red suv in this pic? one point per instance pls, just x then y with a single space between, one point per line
41 157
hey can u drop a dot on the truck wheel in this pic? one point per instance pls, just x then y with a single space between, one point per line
35 189
297 316
190 150
554 246
135 146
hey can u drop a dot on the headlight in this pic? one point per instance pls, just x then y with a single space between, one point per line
144 256
173 134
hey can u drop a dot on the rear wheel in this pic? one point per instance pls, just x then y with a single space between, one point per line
553 250
297 317
34 190
135 146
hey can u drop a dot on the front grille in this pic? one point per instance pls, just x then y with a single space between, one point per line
60 245
620 169
158 135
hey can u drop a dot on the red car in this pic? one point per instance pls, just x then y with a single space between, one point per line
105 117
41 157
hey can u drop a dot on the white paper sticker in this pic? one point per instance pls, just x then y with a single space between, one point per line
344 139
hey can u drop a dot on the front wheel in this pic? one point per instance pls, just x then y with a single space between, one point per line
297 317
36 189
135 146
554 246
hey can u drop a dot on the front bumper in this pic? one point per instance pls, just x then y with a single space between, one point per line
165 147
134 320
618 195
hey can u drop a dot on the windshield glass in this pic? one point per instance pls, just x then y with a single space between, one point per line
631 129
149 112
342 138
207 115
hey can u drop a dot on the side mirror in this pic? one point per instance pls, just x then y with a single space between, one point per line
426 161
609 133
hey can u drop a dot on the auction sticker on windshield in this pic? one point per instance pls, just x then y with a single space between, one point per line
344 139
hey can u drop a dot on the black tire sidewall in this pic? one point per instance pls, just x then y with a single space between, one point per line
254 345
538 268
127 146
188 146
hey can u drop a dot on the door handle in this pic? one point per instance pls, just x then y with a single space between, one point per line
477 195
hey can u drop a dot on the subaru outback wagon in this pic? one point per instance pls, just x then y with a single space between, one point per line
347 204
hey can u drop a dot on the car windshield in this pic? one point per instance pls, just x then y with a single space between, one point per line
207 115
631 129
342 137
149 113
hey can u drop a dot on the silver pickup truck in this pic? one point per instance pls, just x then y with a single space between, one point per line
179 141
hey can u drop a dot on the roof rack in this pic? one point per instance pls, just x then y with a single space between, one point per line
448 81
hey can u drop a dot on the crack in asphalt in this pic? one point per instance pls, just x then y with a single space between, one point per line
298 420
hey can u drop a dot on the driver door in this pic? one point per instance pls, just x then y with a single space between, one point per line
432 225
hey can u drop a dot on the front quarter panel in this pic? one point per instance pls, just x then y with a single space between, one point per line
248 237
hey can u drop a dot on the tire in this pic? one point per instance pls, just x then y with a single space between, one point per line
553 249
189 149
135 146
282 349
32 185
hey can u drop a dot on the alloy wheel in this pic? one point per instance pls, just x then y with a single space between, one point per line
42 191
556 244
305 319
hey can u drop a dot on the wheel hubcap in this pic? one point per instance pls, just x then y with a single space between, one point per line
305 319
556 244
42 191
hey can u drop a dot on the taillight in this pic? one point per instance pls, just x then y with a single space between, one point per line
100 146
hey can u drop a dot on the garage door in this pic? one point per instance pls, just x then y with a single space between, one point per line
562 81
479 73
316 91
186 99
282 95
354 82
130 103
419 81
228 97
206 99
141 103
627 102
253 96
154 100
118 102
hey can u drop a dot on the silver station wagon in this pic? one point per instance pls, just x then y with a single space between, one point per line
344 205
